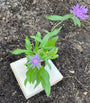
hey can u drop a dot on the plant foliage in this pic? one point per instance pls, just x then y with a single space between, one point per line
46 49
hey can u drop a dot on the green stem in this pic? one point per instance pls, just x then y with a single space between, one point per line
56 26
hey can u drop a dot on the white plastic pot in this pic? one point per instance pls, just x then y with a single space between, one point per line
19 70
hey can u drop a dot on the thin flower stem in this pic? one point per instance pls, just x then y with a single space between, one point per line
56 26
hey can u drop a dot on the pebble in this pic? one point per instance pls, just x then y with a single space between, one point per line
85 93
72 71
3 18
5 38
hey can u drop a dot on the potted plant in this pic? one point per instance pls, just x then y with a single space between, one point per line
38 55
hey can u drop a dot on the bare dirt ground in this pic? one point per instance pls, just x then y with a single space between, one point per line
21 18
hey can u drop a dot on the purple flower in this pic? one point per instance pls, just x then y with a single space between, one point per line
79 11
35 61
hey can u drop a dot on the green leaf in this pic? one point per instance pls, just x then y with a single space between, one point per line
25 82
44 77
38 35
56 31
76 21
28 44
57 17
29 75
55 56
29 52
47 63
36 38
47 32
46 37
68 16
19 51
37 80
51 42
52 52
47 48
54 17
34 75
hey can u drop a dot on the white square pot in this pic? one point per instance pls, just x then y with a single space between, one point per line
19 70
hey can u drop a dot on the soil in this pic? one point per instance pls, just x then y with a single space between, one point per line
21 18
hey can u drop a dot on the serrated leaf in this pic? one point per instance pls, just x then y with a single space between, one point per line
25 82
54 17
44 77
28 44
19 51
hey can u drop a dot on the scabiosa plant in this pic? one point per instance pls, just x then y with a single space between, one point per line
80 11
38 56
45 49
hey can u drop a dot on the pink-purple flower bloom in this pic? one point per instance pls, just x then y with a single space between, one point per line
80 11
35 61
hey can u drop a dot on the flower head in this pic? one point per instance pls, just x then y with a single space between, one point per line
79 11
35 61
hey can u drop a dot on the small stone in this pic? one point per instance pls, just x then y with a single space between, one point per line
62 96
3 18
79 47
5 38
85 93
72 71
14 93
34 2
